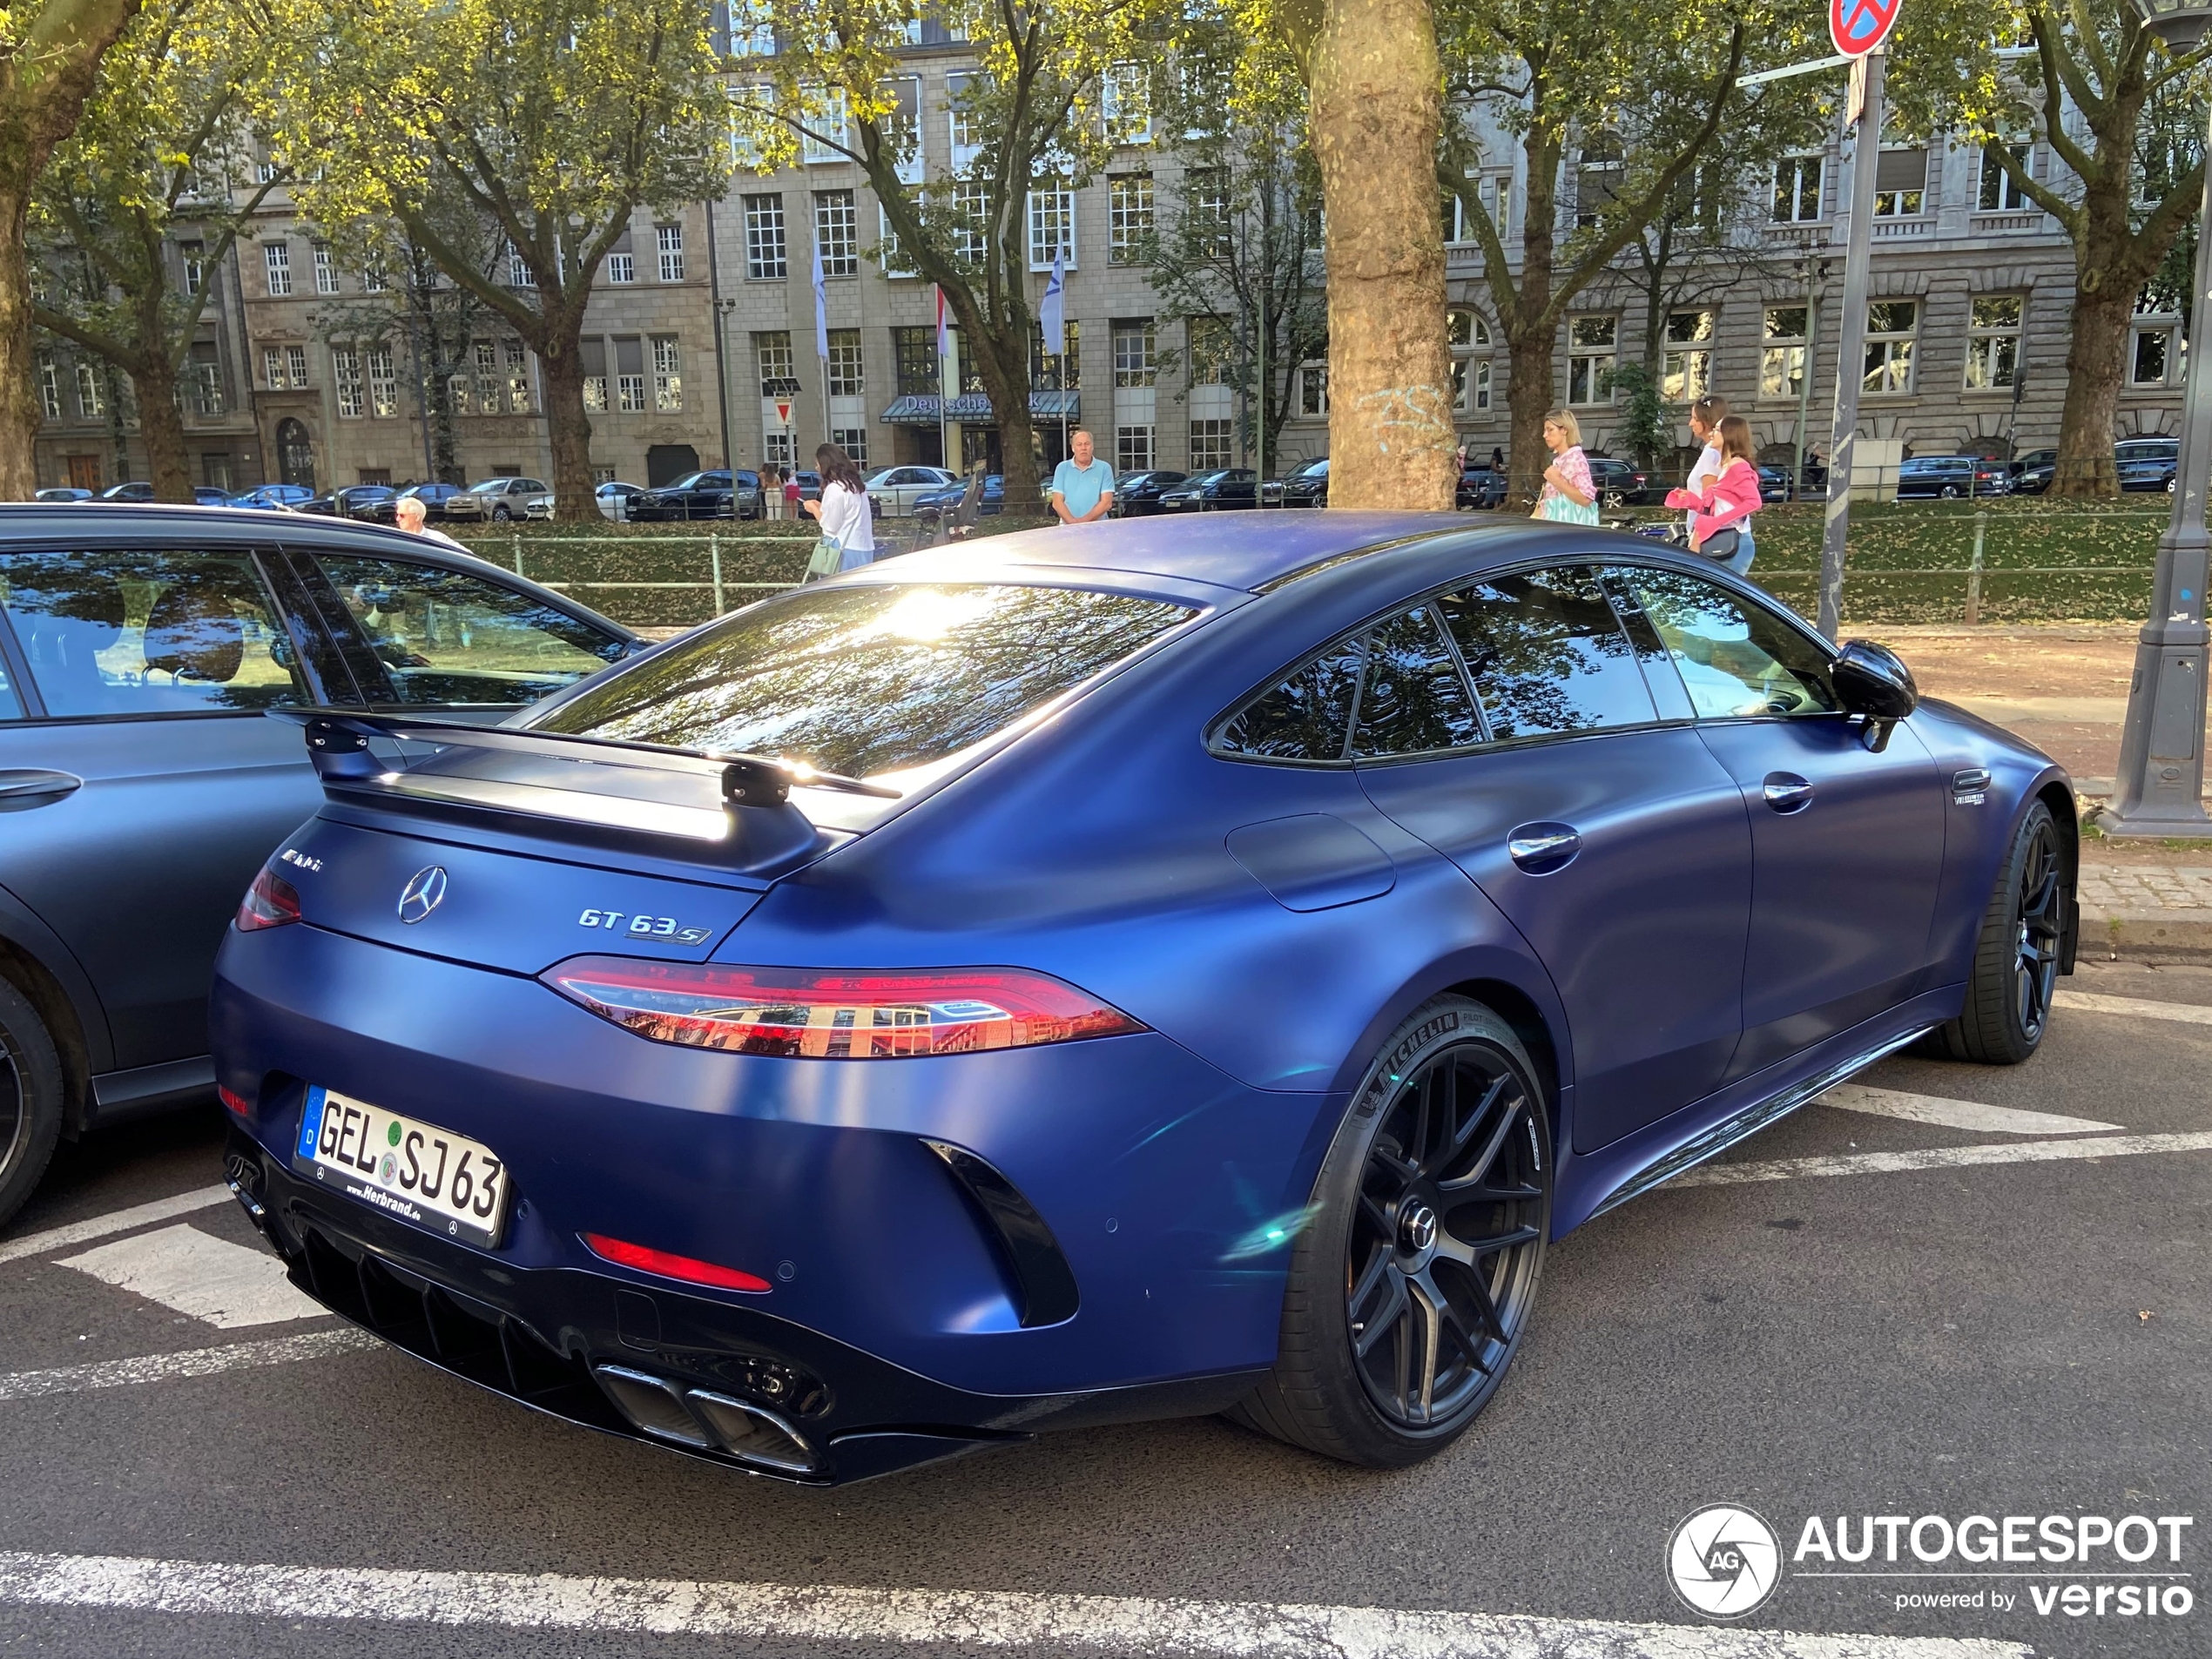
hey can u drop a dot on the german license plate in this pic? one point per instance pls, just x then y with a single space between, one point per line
406 1168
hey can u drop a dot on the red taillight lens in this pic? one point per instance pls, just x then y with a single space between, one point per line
232 1101
836 1014
668 1267
270 902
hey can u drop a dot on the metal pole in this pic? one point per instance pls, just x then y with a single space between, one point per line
721 357
2161 784
1815 290
1851 342
714 557
1974 572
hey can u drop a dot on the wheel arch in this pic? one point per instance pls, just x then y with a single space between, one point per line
1521 1011
43 988
2056 793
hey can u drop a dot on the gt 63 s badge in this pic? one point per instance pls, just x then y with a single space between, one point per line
643 927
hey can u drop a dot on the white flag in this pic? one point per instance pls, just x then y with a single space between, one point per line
1052 315
821 306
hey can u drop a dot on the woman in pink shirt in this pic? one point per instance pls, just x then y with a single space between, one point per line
1726 500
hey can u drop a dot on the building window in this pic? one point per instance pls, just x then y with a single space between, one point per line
971 222
1798 180
1598 178
1212 351
837 231
764 258
272 368
326 271
1468 332
963 120
668 239
373 279
487 366
1135 362
1207 216
827 129
779 448
595 378
50 386
900 127
519 275
772 350
668 374
1900 183
621 262
265 171
276 260
1052 227
1591 343
1890 326
2154 354
1132 448
345 376
1313 387
2000 192
1128 218
913 354
383 384
890 257
518 378
853 440
1686 366
195 267
1993 344
1209 445
1782 352
1062 373
90 404
1125 104
295 363
844 364
1497 197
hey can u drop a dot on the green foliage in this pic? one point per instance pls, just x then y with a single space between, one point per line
1642 420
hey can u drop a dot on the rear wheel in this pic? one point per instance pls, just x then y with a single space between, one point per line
30 1099
1412 1283
2016 961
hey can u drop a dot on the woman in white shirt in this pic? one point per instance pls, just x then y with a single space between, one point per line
844 511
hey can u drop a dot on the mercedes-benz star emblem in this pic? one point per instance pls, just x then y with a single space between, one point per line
425 891
1724 1560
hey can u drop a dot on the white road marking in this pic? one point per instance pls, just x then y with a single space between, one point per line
934 1618
117 1221
193 1362
210 1278
1956 1114
1941 1157
2141 1008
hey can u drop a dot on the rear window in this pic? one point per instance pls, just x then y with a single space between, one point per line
867 680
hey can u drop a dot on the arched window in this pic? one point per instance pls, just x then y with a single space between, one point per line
295 454
1469 333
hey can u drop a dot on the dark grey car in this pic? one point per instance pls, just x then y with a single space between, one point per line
141 785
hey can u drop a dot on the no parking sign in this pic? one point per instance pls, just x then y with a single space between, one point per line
1858 26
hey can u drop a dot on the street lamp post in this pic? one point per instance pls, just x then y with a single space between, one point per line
2160 788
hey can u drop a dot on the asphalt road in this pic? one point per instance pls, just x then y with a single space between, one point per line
2017 1330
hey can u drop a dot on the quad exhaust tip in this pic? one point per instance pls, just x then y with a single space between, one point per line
706 1421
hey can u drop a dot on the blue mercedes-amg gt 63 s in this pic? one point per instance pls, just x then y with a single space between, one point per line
1102 974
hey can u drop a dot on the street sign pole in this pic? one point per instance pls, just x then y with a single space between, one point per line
1850 335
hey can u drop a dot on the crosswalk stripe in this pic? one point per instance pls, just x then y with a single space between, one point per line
192 1362
2142 1008
1094 1625
205 1278
1956 1114
1941 1157
115 1221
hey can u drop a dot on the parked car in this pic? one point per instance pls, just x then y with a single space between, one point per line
1774 483
1219 490
433 498
614 500
354 501
136 489
716 493
1307 487
895 489
142 648
1618 484
936 504
2147 463
876 1078
64 492
2035 479
538 506
273 498
494 500
1952 477
2033 459
1137 495
1481 486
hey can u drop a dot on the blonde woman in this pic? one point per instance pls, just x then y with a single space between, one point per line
1569 497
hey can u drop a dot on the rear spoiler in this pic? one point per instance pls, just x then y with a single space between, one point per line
730 809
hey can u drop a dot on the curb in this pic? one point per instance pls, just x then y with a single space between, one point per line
2154 936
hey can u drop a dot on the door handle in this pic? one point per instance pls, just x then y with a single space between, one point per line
31 786
1541 848
1786 792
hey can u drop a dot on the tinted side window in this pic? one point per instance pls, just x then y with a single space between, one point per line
1736 658
139 632
1307 716
1414 700
1547 654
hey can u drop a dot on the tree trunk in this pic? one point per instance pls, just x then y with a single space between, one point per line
1376 113
570 429
2095 359
1531 333
161 426
1529 356
1009 395
19 410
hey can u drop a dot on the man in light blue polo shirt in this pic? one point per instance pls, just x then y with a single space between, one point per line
1082 485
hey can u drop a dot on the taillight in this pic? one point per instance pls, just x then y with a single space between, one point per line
232 1101
684 1267
270 902
843 1013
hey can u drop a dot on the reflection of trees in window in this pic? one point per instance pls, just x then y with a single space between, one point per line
1547 654
1414 700
1735 658
869 680
1308 716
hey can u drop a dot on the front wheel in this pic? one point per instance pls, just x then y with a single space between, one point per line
500 515
1413 1278
2016 959
30 1099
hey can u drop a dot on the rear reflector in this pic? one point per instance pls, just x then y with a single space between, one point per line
270 902
234 1101
668 1267
839 1013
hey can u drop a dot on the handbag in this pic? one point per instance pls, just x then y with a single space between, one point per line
1722 544
827 557
1559 511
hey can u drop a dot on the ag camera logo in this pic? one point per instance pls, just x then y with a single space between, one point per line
1724 1561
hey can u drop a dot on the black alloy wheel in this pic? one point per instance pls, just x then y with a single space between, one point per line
2016 961
1411 1286
30 1099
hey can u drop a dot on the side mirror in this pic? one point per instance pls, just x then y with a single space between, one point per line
1871 680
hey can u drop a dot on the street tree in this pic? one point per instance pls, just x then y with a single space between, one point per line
553 121
49 56
142 204
2122 117
1059 84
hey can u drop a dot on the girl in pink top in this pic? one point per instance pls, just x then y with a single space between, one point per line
1729 498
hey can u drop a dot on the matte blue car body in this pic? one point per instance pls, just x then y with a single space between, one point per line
1106 845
